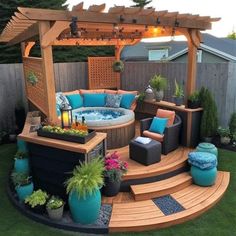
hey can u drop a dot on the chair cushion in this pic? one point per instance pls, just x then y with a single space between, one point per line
94 99
158 125
202 160
113 100
110 91
166 114
85 91
75 100
154 136
127 100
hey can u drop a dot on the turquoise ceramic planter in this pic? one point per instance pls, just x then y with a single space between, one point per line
85 211
207 147
203 177
21 165
24 191
22 145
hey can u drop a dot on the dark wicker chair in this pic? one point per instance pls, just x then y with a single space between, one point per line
171 134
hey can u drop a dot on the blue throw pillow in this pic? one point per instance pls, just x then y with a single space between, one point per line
75 100
158 125
113 100
94 99
127 100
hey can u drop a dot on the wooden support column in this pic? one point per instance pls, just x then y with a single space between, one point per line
46 53
193 37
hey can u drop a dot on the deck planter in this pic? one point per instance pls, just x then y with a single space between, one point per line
85 210
66 137
55 214
110 188
24 191
21 165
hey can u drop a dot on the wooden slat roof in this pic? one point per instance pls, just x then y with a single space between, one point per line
133 21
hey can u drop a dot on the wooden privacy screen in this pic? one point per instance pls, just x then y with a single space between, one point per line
35 93
101 74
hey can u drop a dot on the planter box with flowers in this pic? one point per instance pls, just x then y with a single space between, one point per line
114 169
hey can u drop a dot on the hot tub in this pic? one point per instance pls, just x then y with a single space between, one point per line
118 123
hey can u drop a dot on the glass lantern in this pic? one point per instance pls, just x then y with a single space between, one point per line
66 116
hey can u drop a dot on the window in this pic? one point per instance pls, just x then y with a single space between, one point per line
157 54
199 55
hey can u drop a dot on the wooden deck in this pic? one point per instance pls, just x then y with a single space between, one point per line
145 215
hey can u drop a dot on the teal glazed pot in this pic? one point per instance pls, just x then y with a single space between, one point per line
207 147
85 210
21 165
203 177
22 145
24 191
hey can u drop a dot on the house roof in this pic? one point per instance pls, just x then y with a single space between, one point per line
222 47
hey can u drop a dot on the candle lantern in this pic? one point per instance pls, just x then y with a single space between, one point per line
66 115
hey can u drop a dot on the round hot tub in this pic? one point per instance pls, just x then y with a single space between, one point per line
118 123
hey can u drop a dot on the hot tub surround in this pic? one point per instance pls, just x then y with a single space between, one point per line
121 129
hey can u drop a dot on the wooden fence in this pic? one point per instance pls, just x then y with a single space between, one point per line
220 78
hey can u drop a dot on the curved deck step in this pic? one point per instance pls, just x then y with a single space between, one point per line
161 188
169 163
145 215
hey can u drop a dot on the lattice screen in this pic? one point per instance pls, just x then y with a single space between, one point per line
101 74
35 93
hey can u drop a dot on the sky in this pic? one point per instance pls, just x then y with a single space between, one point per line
214 8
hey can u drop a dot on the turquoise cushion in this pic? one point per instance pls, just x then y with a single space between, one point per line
58 110
75 100
158 125
127 100
94 99
202 160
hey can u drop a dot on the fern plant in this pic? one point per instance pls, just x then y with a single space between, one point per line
158 82
86 178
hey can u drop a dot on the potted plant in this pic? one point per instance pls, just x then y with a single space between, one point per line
23 185
232 123
179 94
37 201
55 207
118 66
224 135
194 100
21 162
209 121
84 191
114 169
159 83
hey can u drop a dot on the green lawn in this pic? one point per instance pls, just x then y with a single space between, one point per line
220 220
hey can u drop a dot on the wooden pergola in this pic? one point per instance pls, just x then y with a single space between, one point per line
119 26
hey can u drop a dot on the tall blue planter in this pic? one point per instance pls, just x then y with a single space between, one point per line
21 165
22 145
85 211
24 191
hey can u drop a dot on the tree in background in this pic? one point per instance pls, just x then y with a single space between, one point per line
141 3
232 35
12 54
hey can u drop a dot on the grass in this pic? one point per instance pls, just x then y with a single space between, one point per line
220 220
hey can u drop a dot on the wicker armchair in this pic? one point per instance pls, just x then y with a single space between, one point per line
170 139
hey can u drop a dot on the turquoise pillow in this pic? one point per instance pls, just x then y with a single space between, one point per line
158 125
75 100
127 100
94 99
58 110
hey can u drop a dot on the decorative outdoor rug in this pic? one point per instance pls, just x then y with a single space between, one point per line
168 205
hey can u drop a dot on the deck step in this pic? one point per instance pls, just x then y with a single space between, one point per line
145 215
161 188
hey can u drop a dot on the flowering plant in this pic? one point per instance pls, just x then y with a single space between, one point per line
114 167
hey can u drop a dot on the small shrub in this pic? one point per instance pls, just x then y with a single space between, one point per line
223 132
54 202
158 82
232 123
38 197
194 97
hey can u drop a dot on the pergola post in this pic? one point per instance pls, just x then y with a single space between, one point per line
193 37
48 72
